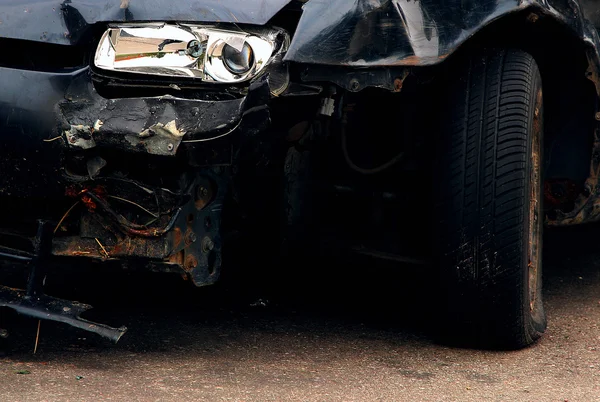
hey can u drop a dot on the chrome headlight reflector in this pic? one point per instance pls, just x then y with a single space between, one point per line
202 52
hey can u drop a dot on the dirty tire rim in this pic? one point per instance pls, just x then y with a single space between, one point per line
535 207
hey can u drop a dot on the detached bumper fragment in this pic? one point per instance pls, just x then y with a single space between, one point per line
50 308
34 303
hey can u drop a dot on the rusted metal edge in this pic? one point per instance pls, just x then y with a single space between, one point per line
50 308
587 204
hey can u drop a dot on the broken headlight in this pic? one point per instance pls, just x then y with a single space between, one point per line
205 53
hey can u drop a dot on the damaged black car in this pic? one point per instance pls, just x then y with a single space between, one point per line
445 134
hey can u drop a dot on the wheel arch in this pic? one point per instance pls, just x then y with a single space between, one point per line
567 64
564 44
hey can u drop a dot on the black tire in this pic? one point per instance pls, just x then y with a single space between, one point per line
489 190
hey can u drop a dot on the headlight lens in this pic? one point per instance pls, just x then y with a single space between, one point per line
236 61
206 53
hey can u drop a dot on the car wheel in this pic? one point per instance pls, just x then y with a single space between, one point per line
489 201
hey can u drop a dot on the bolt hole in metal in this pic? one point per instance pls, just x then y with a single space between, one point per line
204 195
208 245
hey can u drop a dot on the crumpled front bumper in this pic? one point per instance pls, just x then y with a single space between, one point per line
152 125
52 122
158 202
43 116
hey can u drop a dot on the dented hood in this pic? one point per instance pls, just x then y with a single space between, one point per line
65 22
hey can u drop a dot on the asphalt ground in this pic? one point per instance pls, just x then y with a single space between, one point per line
347 330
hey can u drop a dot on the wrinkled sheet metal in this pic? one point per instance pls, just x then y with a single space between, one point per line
368 33
155 125
41 112
394 33
65 22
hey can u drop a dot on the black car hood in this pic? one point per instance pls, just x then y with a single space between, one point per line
63 22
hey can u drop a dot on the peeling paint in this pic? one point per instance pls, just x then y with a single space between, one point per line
169 129
97 125
158 139
80 136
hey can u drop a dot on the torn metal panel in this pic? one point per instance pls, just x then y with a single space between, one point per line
375 33
156 125
365 33
80 136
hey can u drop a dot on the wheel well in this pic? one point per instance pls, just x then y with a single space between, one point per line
570 98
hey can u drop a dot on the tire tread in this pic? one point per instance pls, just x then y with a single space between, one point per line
482 194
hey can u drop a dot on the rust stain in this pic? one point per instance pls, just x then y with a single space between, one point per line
89 203
399 81
537 121
190 262
76 249
82 193
533 17
558 192
409 61
104 252
176 258
398 85
177 237
190 237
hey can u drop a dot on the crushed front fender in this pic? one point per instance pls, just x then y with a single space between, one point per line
375 33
